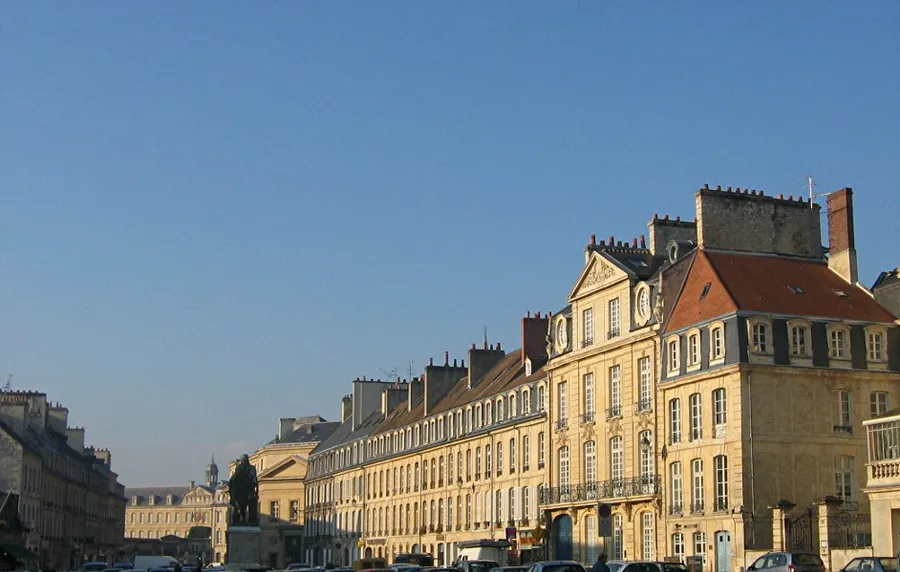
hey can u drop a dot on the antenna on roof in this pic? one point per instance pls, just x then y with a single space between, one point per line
810 187
409 370
485 338
7 387
391 375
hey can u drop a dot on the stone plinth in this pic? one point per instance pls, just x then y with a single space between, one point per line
243 547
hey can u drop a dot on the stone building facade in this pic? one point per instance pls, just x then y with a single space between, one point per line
765 354
456 454
883 481
170 514
70 500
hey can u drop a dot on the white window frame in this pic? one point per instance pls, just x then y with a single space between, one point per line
800 339
673 356
590 462
879 403
876 346
695 430
563 401
587 320
618 539
615 391
615 319
617 460
563 462
676 485
678 546
675 420
645 385
716 343
542 446
720 468
838 342
589 405
693 347
648 536
844 477
720 411
697 504
760 330
844 410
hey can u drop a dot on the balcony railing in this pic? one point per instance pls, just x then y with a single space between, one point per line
561 424
612 489
886 472
613 412
697 507
676 508
643 405
587 418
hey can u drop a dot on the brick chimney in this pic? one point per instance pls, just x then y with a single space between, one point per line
346 407
416 390
841 242
534 337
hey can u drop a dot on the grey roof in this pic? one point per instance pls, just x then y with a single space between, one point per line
639 263
162 493
887 278
310 432
345 433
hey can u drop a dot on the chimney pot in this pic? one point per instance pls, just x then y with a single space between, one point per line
643 241
473 345
602 243
633 243
528 314
612 240
431 361
780 196
656 216
446 358
498 346
718 187
678 219
454 362
666 217
593 239
728 189
790 197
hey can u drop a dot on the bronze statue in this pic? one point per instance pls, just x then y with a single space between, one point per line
244 494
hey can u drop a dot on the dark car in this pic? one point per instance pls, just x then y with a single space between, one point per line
871 564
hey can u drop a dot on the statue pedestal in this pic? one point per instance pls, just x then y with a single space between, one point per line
243 547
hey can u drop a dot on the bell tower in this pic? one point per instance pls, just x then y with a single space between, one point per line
212 473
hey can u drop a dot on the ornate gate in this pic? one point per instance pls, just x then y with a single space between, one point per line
803 532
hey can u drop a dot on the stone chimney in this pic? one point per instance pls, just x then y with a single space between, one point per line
346 407
534 337
662 230
104 456
285 426
416 392
392 396
482 361
841 240
15 415
745 220
58 418
75 439
440 379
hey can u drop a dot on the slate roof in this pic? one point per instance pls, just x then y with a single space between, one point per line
768 284
161 493
887 279
345 433
640 263
310 432
507 374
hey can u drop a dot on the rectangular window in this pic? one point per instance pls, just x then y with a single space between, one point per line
645 387
512 455
468 467
696 402
694 349
700 544
876 346
844 412
720 411
798 341
590 462
675 421
676 485
615 391
697 485
721 482
717 343
646 458
878 403
498 516
614 318
588 320
274 510
563 402
648 536
760 338
526 452
477 462
838 344
678 546
511 505
488 460
843 477
541 398
616 460
541 449
295 511
618 543
674 362
588 398
499 457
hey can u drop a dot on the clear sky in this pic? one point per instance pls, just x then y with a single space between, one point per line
215 214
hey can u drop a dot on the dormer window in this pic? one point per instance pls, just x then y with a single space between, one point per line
838 342
693 354
528 370
673 356
875 345
134 500
760 338
716 342
799 341
151 500
169 499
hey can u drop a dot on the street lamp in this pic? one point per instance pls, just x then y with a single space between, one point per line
645 444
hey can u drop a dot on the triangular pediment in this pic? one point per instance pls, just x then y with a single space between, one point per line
293 467
598 273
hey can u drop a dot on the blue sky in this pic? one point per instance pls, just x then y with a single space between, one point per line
216 214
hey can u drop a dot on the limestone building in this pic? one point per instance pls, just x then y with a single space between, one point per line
169 514
768 355
69 498
887 290
281 466
456 454
883 481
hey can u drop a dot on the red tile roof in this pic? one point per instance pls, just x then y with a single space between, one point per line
766 284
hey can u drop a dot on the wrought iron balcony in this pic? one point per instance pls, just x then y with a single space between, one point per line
613 412
561 424
587 418
676 508
649 485
697 507
643 405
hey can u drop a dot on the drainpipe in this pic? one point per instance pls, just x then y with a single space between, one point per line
750 422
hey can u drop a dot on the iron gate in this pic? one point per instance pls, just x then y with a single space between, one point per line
803 532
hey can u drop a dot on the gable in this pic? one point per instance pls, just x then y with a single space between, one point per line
693 305
293 467
597 274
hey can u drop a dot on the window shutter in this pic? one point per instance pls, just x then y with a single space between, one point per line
489 497
520 500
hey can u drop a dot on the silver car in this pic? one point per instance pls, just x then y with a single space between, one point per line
788 562
556 566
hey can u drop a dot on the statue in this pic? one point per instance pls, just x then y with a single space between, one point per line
244 494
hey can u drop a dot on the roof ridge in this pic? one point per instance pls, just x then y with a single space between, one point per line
687 275
719 278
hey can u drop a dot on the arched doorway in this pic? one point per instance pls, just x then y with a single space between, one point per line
562 534
415 548
440 555
368 552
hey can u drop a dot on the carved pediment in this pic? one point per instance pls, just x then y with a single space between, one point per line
596 274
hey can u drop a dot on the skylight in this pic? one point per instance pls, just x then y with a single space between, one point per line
705 290
840 293
796 289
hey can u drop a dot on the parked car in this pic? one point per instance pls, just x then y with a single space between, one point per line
788 562
556 566
871 564
511 569
646 566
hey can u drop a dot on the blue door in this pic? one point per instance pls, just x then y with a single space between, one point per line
563 532
723 551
